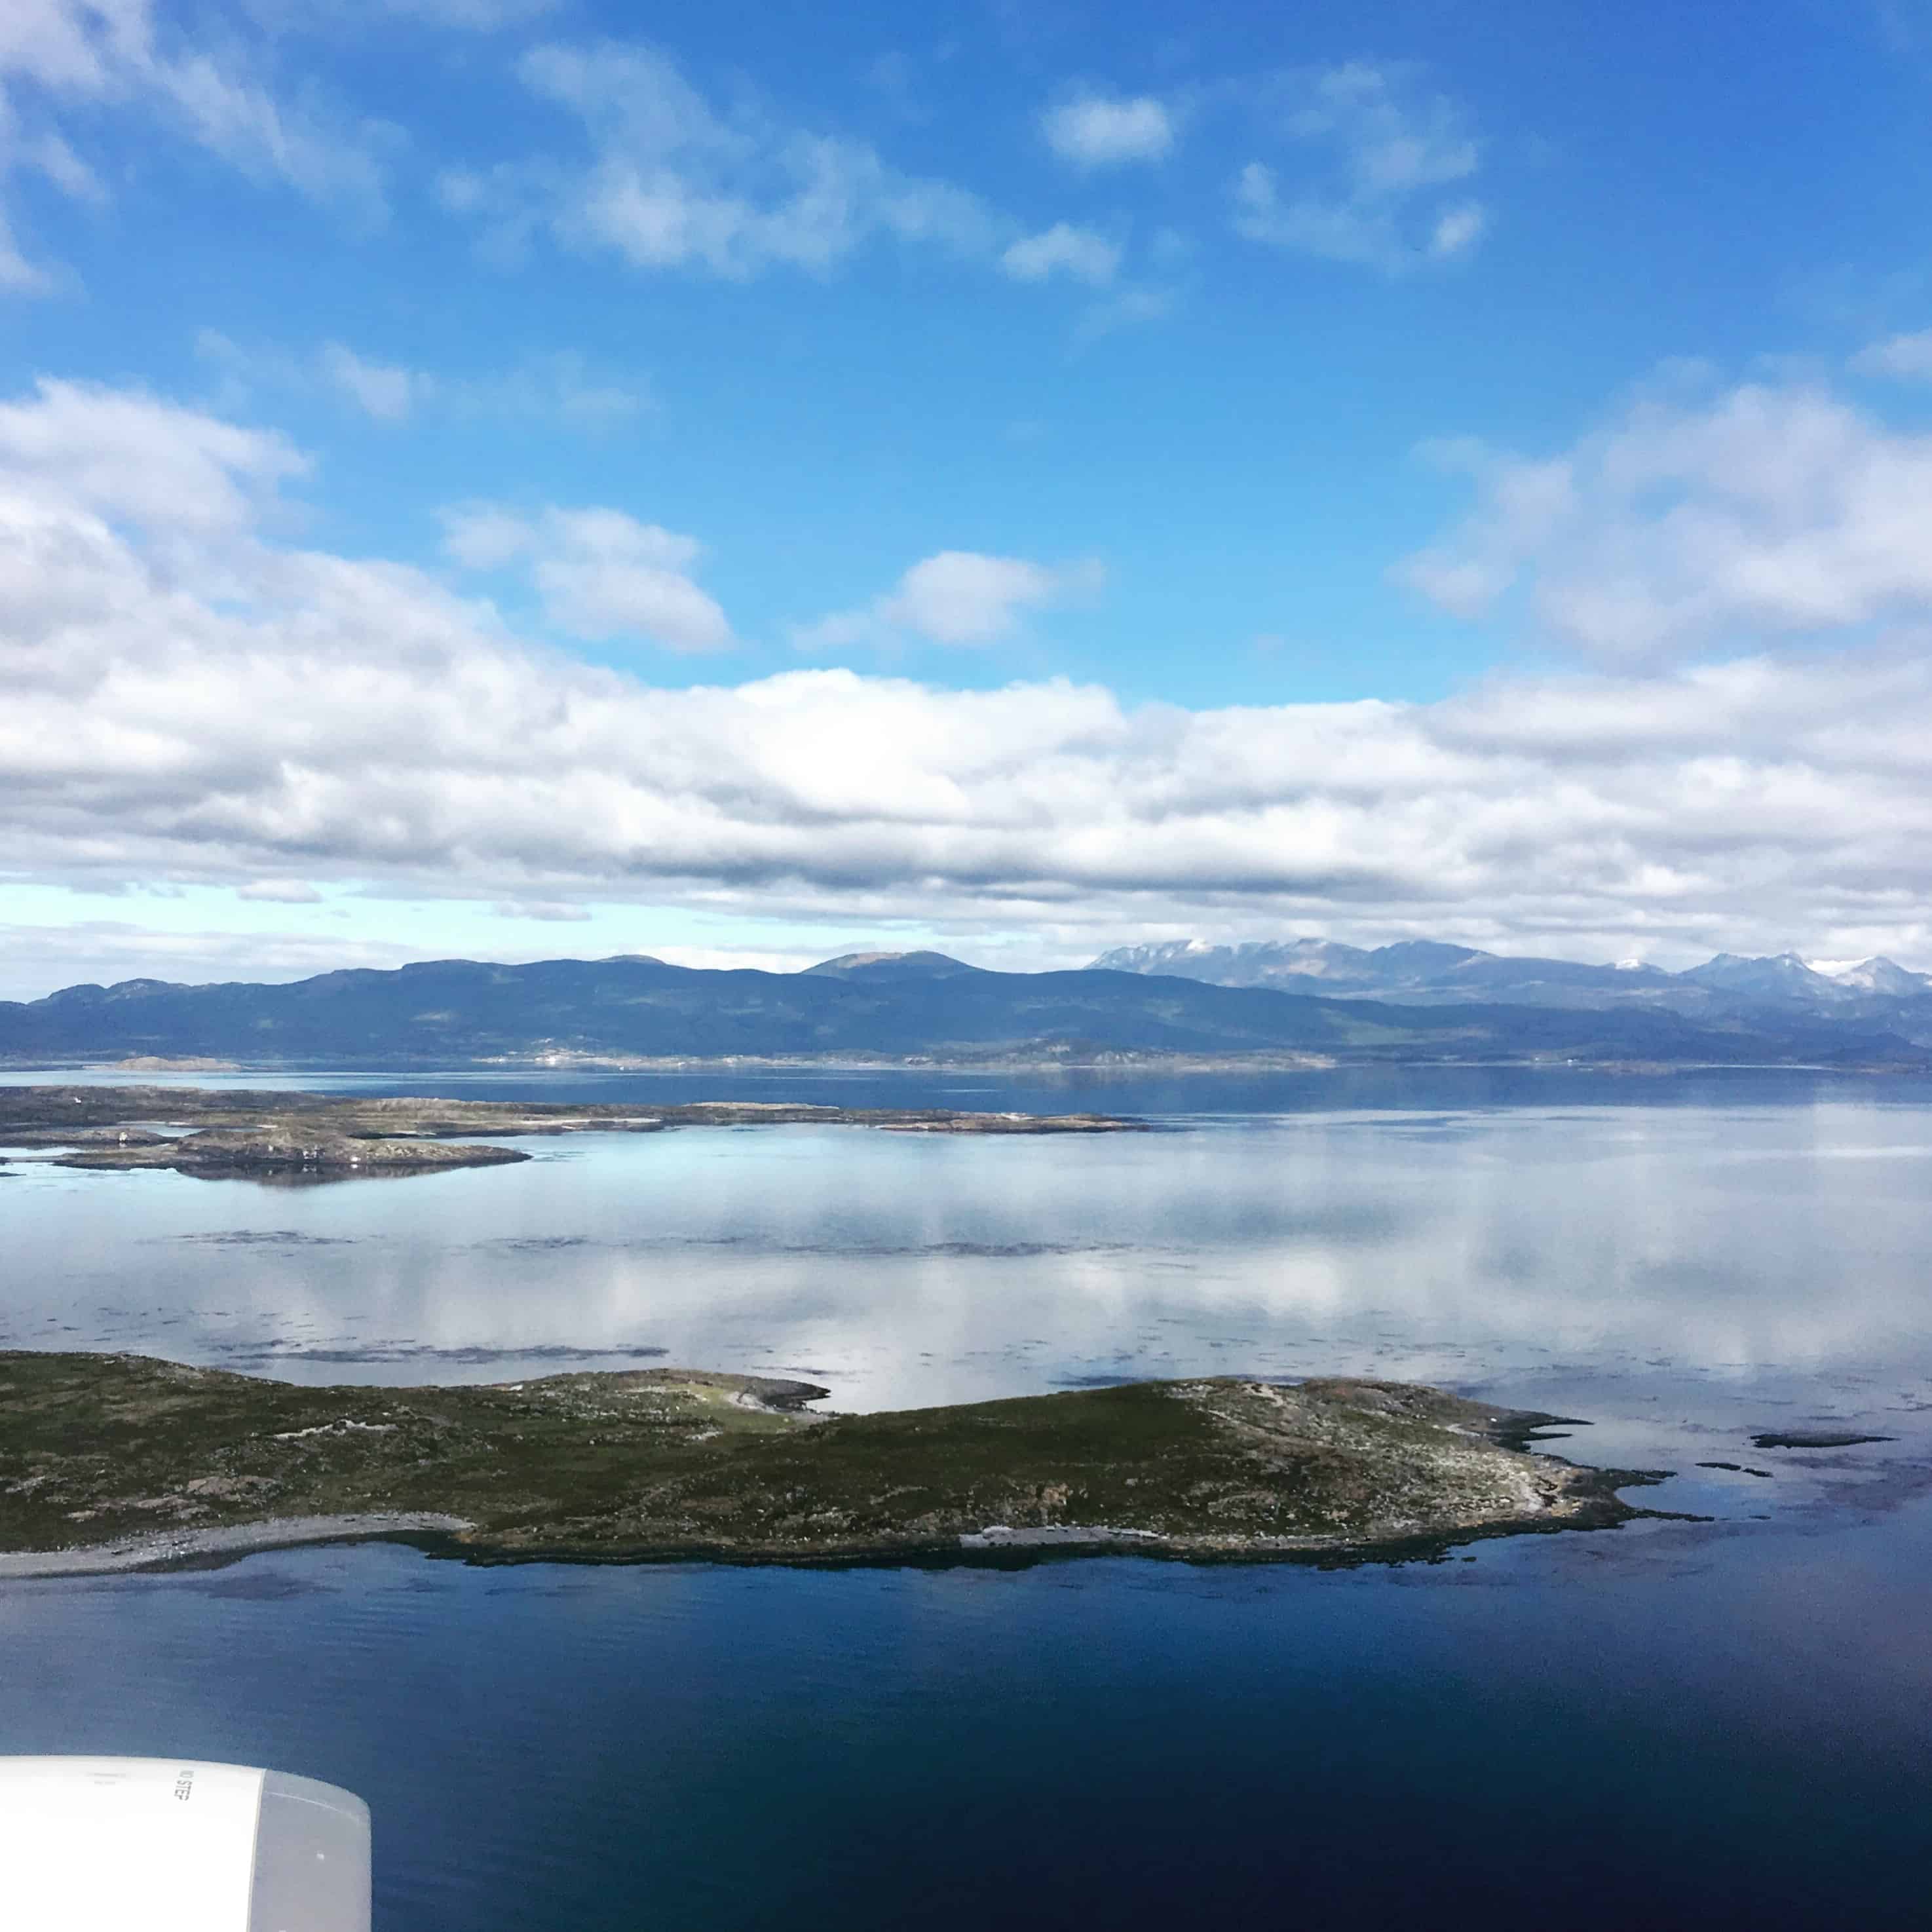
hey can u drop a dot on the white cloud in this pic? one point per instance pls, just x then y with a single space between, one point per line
959 597
76 44
185 700
674 182
1763 513
131 456
600 573
481 16
279 892
552 912
18 275
480 536
1457 230
673 179
561 385
51 155
1062 249
1908 357
956 597
1094 130
69 58
560 388
35 959
1395 152
1126 309
383 389
236 117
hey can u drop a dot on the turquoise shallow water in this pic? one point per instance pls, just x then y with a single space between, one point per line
1712 1723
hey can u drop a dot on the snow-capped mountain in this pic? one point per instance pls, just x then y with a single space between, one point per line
1883 977
1429 972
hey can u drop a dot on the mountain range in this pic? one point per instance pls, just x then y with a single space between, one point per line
1430 1003
1423 972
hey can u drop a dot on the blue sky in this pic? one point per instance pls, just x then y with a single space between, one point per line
1386 470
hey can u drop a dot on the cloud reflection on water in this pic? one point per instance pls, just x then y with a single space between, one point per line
1473 1246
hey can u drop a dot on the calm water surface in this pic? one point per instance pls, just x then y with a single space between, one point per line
1715 1722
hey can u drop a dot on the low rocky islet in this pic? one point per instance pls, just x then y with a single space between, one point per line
143 1457
314 1136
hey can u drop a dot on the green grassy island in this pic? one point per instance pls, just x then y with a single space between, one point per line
115 1460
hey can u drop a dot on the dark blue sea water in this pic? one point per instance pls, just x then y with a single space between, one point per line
1714 1723
1723 1732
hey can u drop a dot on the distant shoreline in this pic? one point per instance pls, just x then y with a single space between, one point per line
924 1012
1125 1066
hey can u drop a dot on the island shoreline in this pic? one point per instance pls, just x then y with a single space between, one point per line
166 1552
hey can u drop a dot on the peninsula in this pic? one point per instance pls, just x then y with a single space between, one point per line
116 1461
208 1132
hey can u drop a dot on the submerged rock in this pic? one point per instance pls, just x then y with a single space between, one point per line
1814 1439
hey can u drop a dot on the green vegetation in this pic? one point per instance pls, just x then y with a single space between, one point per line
95 1448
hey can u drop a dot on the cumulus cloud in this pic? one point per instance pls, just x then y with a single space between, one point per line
1062 249
132 456
956 597
64 58
600 573
1764 514
1396 152
1095 130
188 700
673 182
959 597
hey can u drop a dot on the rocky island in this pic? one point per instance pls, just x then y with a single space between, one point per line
114 1461
205 1131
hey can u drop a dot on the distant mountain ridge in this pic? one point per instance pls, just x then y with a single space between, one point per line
926 1008
888 966
1429 972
